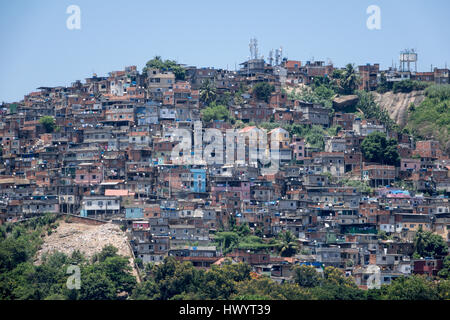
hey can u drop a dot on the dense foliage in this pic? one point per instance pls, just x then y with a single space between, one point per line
49 123
428 244
406 86
240 237
377 148
167 65
431 119
263 90
107 277
175 280
369 109
216 112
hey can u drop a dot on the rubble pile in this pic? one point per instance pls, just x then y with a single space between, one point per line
88 239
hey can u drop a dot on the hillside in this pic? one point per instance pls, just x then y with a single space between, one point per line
88 239
397 104
431 118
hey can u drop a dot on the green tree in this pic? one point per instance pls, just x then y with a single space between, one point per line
415 287
168 65
107 252
96 286
208 92
118 270
315 137
376 148
406 86
288 246
306 276
350 80
431 118
444 289
146 290
173 279
224 99
428 244
384 85
266 289
214 112
445 272
336 286
220 281
371 110
227 241
263 91
49 123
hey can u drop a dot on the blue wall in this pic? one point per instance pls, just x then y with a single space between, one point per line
199 177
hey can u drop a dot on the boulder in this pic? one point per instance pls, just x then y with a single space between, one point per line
343 102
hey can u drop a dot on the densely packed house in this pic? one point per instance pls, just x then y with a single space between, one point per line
110 156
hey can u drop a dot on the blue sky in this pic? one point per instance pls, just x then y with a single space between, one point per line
36 48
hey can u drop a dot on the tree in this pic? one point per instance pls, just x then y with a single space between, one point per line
155 63
306 276
224 99
336 286
428 244
266 289
376 148
445 271
227 240
96 286
349 82
214 112
372 110
146 290
431 118
384 85
444 289
288 246
107 252
415 287
407 86
174 279
118 270
220 281
315 137
263 91
168 65
49 123
207 92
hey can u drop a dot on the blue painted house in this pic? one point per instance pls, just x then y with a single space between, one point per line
134 213
199 180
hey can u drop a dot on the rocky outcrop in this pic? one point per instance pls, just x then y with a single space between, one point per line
397 104
342 102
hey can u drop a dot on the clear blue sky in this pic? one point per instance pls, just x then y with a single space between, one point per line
36 48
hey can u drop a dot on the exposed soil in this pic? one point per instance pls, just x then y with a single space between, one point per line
88 239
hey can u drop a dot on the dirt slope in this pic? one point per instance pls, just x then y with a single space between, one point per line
89 239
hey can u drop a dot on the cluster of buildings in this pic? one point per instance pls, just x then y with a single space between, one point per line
109 158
